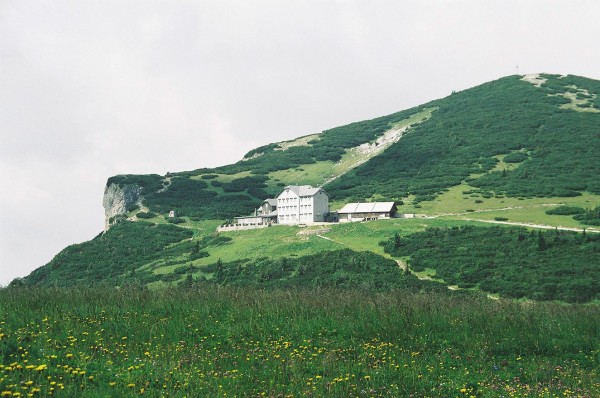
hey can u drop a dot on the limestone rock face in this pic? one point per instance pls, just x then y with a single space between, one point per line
117 199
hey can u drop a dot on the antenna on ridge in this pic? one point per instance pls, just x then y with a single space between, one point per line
517 69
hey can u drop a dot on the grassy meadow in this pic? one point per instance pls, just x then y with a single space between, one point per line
217 342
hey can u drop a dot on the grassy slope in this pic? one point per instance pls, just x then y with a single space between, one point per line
454 204
319 173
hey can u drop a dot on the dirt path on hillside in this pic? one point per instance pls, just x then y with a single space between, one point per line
402 264
463 213
368 150
521 224
166 183
329 239
540 226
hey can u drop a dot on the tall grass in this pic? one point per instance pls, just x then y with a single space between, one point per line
214 341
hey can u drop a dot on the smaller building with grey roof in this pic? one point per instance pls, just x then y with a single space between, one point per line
367 211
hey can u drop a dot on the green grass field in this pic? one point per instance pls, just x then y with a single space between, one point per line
221 342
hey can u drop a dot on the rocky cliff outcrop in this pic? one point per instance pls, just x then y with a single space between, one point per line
117 199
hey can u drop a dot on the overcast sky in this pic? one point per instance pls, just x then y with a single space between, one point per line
90 89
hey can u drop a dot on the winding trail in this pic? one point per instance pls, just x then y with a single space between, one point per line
366 151
540 226
166 183
329 239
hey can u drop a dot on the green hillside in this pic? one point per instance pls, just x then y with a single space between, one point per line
514 262
107 257
503 152
555 147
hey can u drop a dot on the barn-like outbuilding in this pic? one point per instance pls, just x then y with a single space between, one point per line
367 211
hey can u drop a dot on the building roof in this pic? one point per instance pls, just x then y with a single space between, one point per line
303 190
372 207
271 202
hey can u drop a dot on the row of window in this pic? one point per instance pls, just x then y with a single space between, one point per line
294 209
287 200
303 199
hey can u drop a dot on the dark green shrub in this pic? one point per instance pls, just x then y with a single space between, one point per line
565 210
200 254
148 214
424 198
590 217
516 157
148 183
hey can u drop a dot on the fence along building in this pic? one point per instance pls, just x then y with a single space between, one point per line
367 211
302 204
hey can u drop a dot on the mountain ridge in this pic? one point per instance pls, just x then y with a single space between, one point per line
518 138
331 146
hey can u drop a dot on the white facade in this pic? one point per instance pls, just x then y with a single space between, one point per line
302 205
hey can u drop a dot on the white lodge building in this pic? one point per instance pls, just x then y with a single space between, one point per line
302 204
